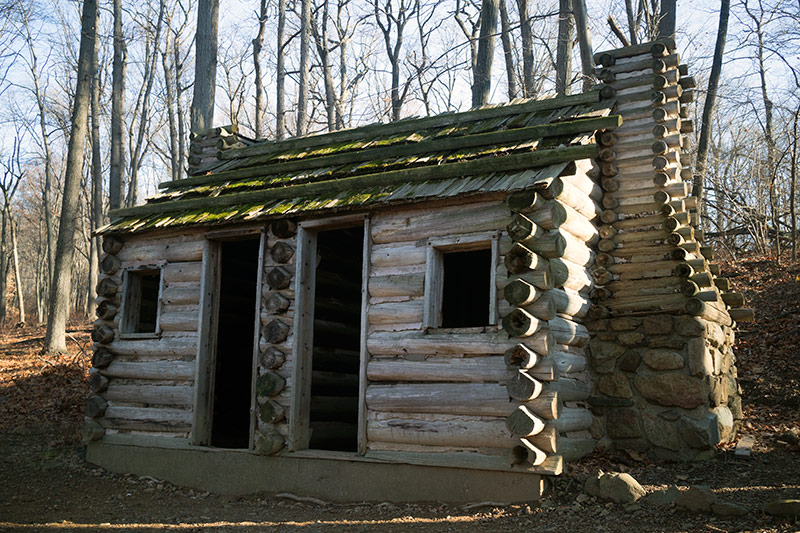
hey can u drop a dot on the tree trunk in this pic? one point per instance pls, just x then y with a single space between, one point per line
508 52
320 31
97 183
708 108
768 129
564 48
139 148
17 276
666 23
528 90
169 88
793 184
49 178
280 74
584 42
482 76
60 291
632 25
257 44
116 180
302 90
4 257
205 65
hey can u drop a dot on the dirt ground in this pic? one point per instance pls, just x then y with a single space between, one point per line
46 485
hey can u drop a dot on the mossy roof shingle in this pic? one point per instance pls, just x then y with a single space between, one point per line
490 149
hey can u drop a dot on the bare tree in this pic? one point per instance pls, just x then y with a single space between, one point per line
96 219
767 124
138 131
305 67
528 82
508 51
666 22
392 17
116 180
258 43
711 97
205 65
61 288
48 205
9 182
280 72
564 47
482 75
584 42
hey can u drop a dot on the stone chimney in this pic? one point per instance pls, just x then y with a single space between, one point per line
661 348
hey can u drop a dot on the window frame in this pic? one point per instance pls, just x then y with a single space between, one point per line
129 315
434 274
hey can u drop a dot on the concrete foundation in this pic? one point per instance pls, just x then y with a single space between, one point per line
242 472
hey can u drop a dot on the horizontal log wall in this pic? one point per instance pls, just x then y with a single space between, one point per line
438 390
412 371
145 383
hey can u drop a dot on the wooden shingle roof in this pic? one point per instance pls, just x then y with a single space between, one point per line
494 148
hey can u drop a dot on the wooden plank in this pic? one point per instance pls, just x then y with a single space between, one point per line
176 346
397 254
396 312
302 352
150 394
207 332
424 223
179 320
440 430
442 342
451 369
262 254
162 250
183 271
409 285
146 418
363 354
167 370
474 399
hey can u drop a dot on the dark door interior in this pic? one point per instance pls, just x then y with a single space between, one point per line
337 324
230 425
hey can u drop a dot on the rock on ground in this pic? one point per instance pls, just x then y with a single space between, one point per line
614 486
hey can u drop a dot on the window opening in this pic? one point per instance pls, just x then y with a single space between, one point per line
466 280
333 413
238 275
141 305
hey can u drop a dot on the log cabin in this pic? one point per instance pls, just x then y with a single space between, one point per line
444 308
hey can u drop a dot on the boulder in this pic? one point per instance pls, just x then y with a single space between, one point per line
604 355
677 390
614 486
729 509
663 360
663 496
661 432
783 508
623 424
657 325
615 385
700 434
697 498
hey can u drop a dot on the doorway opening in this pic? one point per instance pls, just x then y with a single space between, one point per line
333 413
235 337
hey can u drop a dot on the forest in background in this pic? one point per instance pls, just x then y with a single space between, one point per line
361 61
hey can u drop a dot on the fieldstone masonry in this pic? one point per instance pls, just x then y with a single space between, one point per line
661 338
